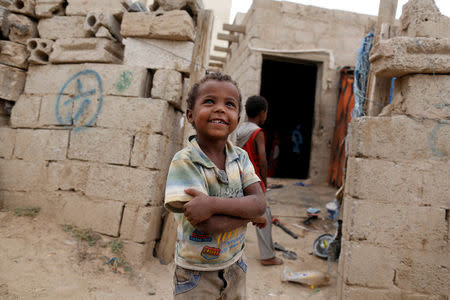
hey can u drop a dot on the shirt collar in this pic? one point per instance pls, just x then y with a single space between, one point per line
200 157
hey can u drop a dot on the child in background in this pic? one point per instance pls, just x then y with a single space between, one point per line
251 137
214 192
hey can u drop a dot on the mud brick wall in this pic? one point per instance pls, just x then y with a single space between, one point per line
97 117
397 204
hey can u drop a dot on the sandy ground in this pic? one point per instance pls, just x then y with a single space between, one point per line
39 260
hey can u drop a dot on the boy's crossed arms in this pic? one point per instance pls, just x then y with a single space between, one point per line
216 214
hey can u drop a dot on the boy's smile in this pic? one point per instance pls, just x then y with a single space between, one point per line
216 110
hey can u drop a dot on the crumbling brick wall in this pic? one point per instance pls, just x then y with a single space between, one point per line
99 116
396 205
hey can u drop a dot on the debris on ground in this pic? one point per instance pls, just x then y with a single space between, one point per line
277 222
286 253
311 278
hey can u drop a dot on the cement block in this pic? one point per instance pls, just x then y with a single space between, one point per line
81 50
101 145
13 54
49 8
47 115
368 265
41 144
23 7
167 5
399 138
421 96
68 176
424 272
158 54
21 28
62 27
48 202
136 254
143 114
20 175
435 183
25 112
167 85
409 226
150 151
83 7
357 293
141 224
12 82
100 215
423 19
130 185
401 56
7 142
40 50
176 25
116 80
165 249
95 20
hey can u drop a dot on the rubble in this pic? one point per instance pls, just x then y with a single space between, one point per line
40 50
49 8
23 7
62 27
21 28
12 82
14 54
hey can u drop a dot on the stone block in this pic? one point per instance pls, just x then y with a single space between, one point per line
83 7
118 80
130 185
136 254
20 175
41 144
357 293
81 50
165 249
399 138
48 202
40 50
12 82
25 112
101 145
68 176
49 8
174 25
435 183
13 54
99 215
95 20
424 272
141 224
168 85
23 7
401 56
167 5
423 19
421 96
103 32
4 22
142 114
150 151
409 226
368 265
62 27
7 142
21 28
158 54
47 115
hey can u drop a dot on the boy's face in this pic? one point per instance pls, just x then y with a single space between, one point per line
216 110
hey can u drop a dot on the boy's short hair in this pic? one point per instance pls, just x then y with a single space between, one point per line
254 105
211 76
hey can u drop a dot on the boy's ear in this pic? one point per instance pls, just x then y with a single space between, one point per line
189 116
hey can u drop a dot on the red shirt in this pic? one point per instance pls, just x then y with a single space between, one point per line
253 155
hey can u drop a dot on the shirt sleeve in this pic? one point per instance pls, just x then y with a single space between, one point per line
248 172
183 174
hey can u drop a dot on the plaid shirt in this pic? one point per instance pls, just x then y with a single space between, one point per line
191 168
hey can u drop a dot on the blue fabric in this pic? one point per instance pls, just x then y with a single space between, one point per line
361 73
391 92
182 287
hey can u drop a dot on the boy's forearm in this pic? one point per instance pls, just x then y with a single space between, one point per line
220 223
263 170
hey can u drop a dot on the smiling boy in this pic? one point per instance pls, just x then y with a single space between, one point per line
214 192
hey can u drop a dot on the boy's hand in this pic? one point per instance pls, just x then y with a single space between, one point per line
199 209
260 221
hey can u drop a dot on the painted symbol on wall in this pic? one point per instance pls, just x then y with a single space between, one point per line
124 81
80 110
432 141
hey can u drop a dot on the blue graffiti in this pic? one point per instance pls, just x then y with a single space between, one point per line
80 101
431 141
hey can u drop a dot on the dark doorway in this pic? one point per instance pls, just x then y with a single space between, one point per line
289 87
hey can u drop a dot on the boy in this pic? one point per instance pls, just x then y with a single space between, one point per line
214 192
250 137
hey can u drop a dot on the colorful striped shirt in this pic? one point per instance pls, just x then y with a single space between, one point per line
191 168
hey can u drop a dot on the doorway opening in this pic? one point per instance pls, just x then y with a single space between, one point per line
289 87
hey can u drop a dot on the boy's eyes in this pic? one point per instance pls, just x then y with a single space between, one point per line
208 101
231 103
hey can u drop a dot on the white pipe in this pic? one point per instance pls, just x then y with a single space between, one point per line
330 54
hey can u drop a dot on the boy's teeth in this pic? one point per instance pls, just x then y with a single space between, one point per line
217 121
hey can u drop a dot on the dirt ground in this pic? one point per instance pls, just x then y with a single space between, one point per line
41 260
